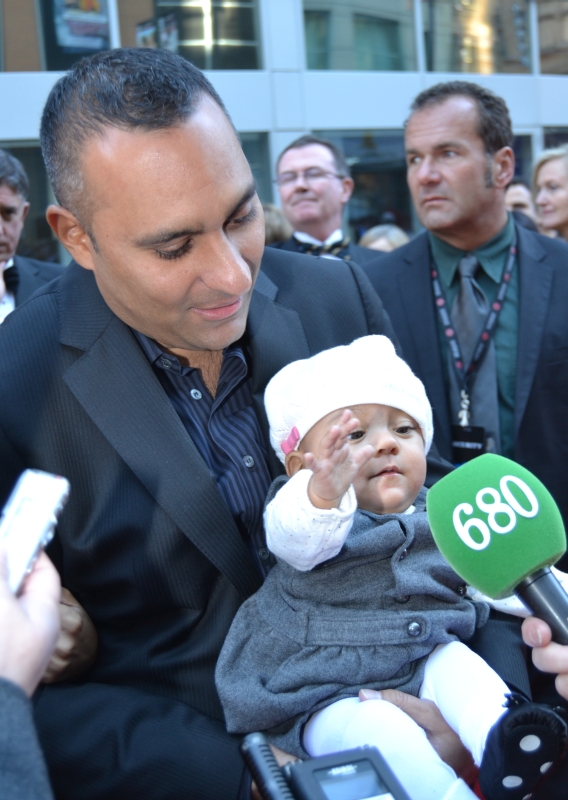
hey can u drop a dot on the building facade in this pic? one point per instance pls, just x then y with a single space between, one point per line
347 69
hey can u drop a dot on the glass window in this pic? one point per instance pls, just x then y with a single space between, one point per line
377 43
480 36
553 36
73 29
213 34
255 147
378 167
317 39
522 147
554 137
37 240
360 34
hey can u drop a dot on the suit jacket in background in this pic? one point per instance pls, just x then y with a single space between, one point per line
402 279
146 543
360 255
33 275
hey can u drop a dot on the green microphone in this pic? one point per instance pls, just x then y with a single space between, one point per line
500 530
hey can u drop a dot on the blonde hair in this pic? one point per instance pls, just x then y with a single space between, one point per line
276 226
548 155
392 233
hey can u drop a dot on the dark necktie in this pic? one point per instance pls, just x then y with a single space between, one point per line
325 249
469 312
11 279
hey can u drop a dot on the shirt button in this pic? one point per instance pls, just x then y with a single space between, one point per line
249 461
196 394
166 363
404 598
461 590
403 554
264 553
414 629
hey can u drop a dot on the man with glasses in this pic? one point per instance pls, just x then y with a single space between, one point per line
314 184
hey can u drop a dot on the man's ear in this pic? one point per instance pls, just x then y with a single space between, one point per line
348 185
294 462
25 209
71 234
503 167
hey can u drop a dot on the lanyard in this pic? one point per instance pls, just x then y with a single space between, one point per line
467 377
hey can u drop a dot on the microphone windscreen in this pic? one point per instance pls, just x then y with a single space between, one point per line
495 523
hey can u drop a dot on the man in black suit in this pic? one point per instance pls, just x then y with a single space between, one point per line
458 144
139 375
315 185
19 276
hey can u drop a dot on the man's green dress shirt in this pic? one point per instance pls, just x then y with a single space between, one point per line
493 257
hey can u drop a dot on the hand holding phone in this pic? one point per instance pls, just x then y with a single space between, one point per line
29 625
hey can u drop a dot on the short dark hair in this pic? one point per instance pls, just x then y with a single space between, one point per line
494 123
341 166
519 182
13 175
128 88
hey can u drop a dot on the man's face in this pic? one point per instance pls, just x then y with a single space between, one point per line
318 200
450 176
178 227
13 211
519 198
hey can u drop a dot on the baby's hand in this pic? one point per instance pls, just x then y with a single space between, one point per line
336 464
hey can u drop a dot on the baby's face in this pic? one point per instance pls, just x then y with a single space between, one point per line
390 482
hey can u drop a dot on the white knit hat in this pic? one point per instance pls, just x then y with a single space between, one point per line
366 371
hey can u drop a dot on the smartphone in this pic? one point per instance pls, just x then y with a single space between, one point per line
28 521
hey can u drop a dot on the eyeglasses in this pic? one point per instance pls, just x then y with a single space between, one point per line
310 175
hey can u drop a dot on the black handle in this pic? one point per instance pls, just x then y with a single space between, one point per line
545 597
264 768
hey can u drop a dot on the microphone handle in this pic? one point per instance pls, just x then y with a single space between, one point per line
264 768
545 597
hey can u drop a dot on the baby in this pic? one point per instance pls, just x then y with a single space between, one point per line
361 597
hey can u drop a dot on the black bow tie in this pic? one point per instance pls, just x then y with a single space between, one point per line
325 249
11 279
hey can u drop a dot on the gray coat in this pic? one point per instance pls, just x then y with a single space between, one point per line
367 618
23 775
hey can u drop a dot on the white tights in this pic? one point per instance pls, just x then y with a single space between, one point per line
470 696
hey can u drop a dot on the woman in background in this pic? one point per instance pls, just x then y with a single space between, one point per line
384 237
550 185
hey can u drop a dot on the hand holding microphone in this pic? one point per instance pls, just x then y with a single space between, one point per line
548 656
500 529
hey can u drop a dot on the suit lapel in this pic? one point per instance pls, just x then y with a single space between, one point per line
419 333
276 337
535 286
140 423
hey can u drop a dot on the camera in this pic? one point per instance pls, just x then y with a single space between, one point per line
360 774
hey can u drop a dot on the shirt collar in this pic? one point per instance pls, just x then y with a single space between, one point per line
491 255
8 264
157 356
336 236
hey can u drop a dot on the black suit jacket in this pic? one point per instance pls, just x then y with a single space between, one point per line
146 543
33 275
360 255
403 282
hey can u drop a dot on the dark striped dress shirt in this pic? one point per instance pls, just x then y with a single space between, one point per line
226 432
